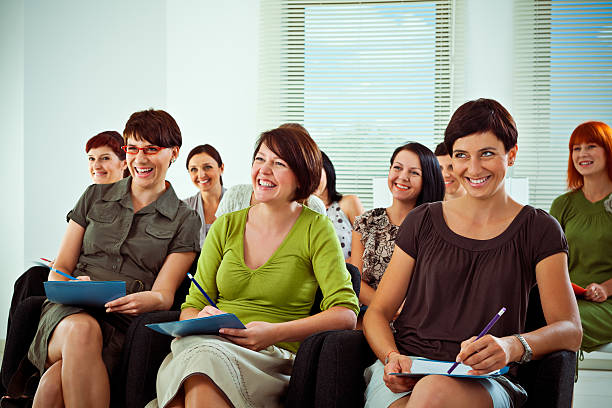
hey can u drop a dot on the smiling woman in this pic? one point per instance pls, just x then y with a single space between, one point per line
135 230
205 168
414 178
585 213
263 263
106 158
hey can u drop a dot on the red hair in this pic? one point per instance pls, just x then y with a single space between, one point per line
589 132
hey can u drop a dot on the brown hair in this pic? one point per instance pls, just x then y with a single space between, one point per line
209 150
479 116
589 132
300 152
441 150
155 126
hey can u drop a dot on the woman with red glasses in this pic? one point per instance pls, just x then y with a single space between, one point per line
135 230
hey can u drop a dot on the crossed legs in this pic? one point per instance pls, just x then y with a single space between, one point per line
76 375
199 391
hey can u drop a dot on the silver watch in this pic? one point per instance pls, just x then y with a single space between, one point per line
528 353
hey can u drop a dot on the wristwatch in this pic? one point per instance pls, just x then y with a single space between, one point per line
528 353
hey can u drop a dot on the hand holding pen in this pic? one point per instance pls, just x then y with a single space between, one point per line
482 354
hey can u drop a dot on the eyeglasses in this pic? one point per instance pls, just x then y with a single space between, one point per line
148 150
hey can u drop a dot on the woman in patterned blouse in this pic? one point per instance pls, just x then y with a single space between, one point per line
414 178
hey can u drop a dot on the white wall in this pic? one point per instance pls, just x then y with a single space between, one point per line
11 165
488 50
212 82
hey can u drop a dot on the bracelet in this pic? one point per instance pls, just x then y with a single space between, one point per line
388 354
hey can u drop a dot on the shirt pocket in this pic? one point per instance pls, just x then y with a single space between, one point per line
102 230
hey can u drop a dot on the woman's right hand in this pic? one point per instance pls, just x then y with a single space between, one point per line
596 293
83 278
209 311
399 364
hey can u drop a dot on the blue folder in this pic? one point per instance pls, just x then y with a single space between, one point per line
84 293
201 325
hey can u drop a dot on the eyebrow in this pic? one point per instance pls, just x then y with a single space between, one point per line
480 150
411 168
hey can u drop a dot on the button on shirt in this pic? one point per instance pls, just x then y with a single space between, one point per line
122 245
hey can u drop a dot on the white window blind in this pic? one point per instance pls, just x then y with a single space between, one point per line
563 77
362 76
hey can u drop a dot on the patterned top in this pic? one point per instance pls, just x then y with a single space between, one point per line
343 227
378 238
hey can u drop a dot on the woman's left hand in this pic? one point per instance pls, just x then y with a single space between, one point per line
488 353
257 335
596 293
135 303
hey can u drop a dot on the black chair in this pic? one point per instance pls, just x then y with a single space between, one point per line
145 349
328 370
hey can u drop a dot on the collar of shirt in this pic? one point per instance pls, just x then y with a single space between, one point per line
167 204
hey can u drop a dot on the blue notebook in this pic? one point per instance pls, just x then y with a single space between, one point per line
84 293
201 325
423 366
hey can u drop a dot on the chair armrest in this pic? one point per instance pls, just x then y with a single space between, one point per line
549 381
143 352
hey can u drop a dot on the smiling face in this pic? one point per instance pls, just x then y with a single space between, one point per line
204 171
149 170
104 165
589 159
405 176
451 184
480 162
273 180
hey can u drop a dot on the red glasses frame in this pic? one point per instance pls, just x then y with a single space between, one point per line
148 150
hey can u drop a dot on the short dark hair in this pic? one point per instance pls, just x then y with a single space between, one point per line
441 150
209 150
478 116
155 126
108 138
330 176
433 182
301 154
111 139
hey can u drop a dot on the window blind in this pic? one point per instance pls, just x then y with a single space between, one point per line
563 77
362 76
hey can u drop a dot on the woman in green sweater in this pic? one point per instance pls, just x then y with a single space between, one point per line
585 213
264 264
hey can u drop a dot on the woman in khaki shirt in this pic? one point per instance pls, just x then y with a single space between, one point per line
135 230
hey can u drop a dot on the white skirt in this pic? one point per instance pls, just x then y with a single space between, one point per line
248 378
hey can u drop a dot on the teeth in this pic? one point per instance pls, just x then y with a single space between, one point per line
265 184
585 163
401 186
143 170
205 181
477 181
448 182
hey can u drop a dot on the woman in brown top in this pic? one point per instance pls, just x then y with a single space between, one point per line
455 264
135 230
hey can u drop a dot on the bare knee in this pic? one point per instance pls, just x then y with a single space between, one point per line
430 391
78 333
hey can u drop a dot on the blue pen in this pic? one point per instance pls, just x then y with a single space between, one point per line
201 290
482 333
57 270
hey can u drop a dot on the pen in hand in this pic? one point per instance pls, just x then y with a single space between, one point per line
482 333
190 276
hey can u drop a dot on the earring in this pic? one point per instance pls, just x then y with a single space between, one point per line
172 160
